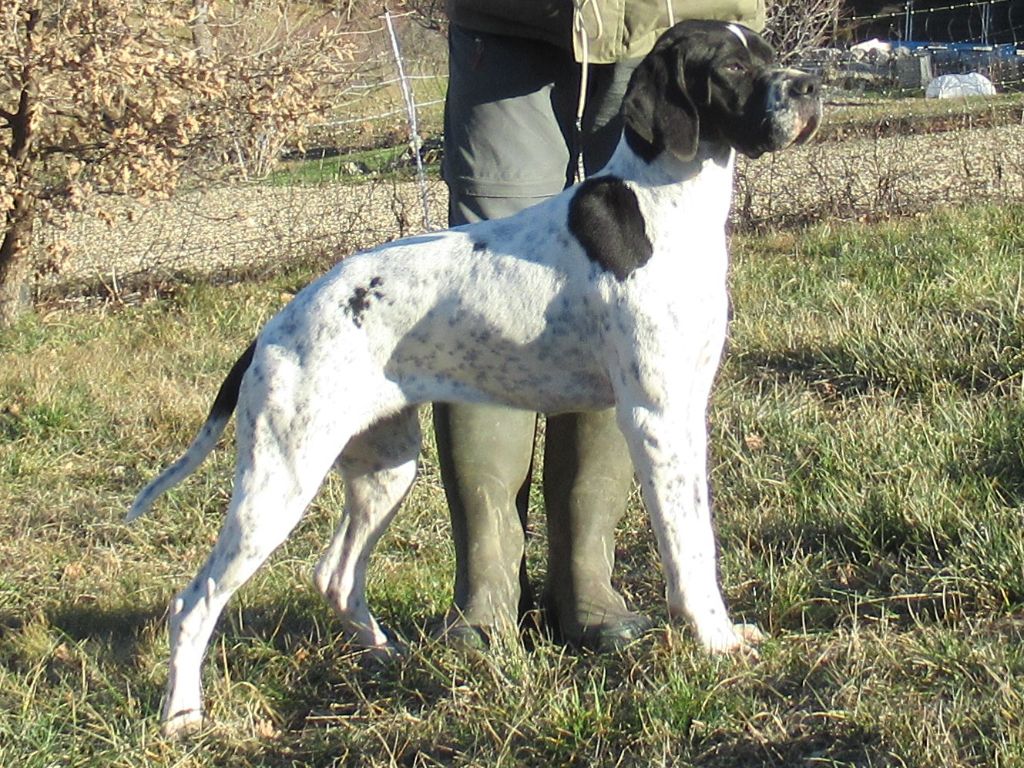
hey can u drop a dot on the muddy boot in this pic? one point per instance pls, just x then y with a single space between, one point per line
485 455
587 477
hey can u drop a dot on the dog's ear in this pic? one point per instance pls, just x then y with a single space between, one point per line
657 112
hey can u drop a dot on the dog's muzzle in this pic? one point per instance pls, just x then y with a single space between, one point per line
793 109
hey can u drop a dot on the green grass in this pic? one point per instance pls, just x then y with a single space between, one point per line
868 469
353 167
869 108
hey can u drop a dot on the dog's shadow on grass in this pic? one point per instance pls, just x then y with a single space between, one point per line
323 668
804 742
831 372
117 630
996 453
293 653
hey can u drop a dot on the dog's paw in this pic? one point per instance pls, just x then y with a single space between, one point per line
750 636
181 725
740 640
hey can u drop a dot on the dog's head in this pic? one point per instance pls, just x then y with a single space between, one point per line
707 80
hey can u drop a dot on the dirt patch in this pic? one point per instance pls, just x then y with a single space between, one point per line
236 227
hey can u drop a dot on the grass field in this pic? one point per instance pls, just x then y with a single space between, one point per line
868 470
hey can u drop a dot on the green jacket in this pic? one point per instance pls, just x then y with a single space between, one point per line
615 29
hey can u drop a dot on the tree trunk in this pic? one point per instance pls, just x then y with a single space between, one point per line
15 265
202 37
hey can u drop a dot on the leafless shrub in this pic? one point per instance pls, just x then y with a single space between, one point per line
119 96
278 69
794 27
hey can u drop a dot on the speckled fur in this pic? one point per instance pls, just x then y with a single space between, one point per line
516 312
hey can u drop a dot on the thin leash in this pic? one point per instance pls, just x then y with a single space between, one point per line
580 30
579 27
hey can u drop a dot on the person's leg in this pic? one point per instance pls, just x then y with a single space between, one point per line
587 469
485 455
504 151
507 123
587 477
602 117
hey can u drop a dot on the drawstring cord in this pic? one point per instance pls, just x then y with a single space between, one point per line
579 28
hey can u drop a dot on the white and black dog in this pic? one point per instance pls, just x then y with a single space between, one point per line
613 293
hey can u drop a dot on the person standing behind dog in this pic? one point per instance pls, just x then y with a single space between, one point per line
522 114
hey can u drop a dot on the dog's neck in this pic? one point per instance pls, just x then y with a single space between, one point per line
701 185
712 159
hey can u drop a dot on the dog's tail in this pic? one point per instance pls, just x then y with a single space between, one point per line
204 442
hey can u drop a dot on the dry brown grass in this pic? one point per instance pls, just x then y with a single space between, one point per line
867 431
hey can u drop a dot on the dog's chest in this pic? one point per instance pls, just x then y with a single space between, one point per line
686 227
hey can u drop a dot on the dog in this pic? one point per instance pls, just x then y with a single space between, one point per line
612 293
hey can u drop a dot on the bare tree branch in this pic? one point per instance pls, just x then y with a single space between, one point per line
124 96
795 26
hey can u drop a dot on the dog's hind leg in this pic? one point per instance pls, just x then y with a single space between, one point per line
275 479
378 467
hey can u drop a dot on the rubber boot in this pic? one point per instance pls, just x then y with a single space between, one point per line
485 455
587 478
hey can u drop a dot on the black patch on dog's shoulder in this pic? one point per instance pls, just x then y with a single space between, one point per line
359 301
479 245
604 215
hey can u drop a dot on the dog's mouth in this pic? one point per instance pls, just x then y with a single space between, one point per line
810 126
792 113
791 126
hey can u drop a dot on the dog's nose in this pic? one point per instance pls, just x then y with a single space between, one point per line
804 86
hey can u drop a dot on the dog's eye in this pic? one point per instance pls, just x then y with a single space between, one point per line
736 67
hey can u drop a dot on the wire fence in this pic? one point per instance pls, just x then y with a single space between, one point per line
984 22
328 201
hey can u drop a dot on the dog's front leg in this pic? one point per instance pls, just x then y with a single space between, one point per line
669 451
663 360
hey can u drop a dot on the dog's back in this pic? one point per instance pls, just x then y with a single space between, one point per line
487 312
